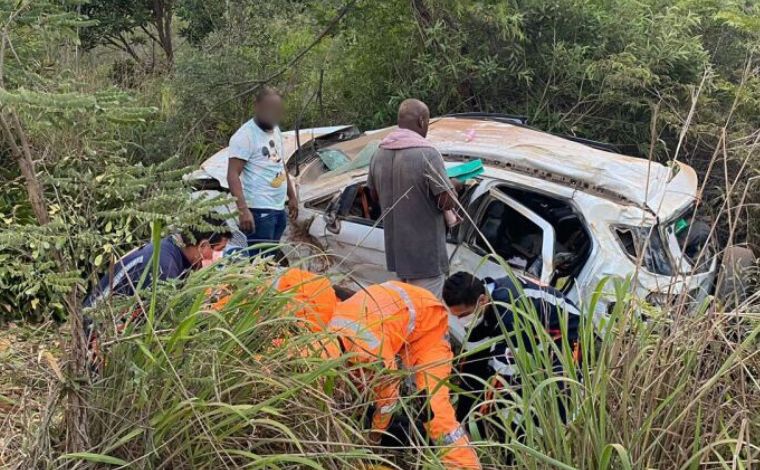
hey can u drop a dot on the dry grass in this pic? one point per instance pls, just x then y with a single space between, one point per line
30 384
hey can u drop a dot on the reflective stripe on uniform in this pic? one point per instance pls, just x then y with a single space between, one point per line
502 368
389 409
454 436
360 330
409 305
117 278
552 299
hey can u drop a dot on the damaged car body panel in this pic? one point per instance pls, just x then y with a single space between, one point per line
556 210
565 213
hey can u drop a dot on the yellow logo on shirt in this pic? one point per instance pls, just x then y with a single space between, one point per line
278 180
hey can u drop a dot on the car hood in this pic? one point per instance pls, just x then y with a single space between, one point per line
660 188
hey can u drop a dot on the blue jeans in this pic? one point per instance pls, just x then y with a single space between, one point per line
270 224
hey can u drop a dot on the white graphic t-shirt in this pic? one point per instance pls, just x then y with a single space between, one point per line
263 177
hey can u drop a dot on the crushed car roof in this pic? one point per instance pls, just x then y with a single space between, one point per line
663 189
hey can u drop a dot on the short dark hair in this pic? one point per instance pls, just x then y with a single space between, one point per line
265 91
462 289
211 229
343 293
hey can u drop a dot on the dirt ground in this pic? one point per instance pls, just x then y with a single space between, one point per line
30 372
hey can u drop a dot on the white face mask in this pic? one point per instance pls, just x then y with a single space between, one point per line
476 317
470 321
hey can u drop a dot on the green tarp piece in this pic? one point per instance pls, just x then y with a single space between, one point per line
681 225
465 171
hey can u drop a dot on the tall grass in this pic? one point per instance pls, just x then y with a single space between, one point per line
214 389
670 393
210 389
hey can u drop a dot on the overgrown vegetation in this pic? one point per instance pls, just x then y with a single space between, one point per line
104 105
202 388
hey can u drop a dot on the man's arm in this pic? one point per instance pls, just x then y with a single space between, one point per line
234 169
447 201
371 183
438 182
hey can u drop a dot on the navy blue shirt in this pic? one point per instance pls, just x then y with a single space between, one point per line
555 313
513 298
128 271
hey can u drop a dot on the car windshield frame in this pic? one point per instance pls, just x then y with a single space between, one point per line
680 261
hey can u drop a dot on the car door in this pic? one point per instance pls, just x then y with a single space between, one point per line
352 236
507 228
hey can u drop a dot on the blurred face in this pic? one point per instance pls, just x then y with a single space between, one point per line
269 110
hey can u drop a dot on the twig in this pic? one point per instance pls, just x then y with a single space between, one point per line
258 83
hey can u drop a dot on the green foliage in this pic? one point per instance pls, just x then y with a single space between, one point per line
211 387
99 202
201 18
127 25
204 386
622 72
115 19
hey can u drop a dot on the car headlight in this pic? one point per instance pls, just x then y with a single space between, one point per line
644 244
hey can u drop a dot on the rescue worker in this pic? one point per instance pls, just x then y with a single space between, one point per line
178 255
393 318
488 310
314 297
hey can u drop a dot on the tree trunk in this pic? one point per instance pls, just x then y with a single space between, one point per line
75 412
162 19
22 155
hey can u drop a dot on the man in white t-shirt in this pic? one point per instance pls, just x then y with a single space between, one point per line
256 173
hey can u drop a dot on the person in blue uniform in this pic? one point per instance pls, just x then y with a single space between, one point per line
488 309
178 255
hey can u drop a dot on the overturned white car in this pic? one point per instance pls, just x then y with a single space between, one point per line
567 212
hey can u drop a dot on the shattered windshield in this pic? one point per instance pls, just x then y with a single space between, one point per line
361 160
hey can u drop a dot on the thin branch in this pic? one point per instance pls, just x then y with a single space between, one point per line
150 34
258 83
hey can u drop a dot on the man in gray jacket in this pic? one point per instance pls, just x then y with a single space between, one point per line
407 176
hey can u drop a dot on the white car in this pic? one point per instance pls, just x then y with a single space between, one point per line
566 212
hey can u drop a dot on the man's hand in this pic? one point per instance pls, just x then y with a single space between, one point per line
293 208
247 224
458 185
375 437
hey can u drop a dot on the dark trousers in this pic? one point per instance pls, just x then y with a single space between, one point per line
270 224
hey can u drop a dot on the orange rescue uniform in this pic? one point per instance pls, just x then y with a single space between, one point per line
313 300
396 318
